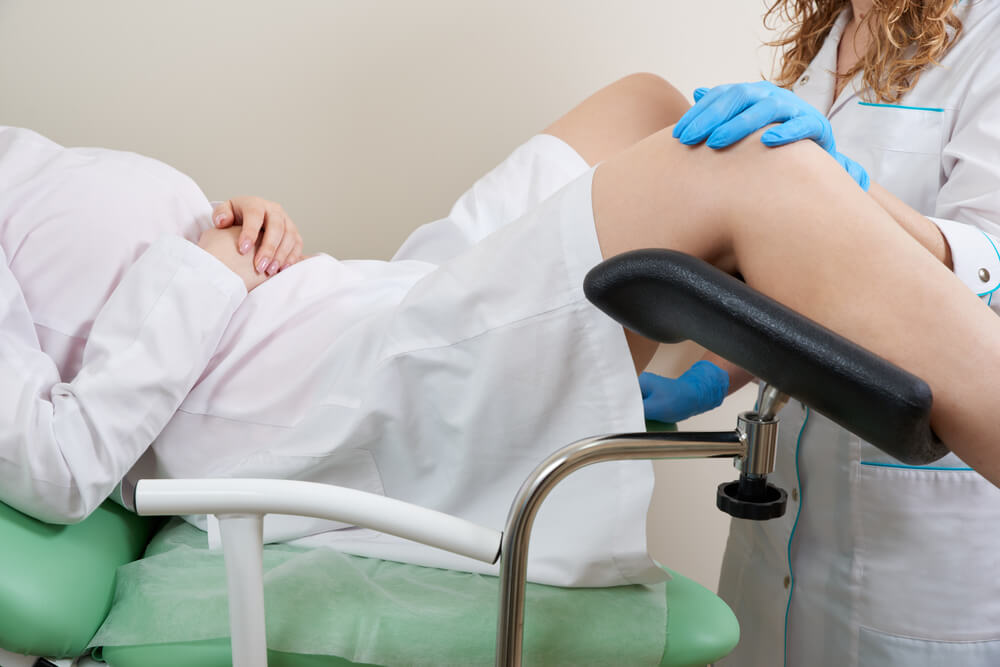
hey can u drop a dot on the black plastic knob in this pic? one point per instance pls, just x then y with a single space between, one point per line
770 505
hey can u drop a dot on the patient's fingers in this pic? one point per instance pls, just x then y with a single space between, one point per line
280 243
294 257
275 223
252 214
290 245
222 215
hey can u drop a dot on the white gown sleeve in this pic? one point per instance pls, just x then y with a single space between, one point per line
65 445
968 206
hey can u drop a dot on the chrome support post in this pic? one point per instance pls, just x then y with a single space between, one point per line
770 403
628 446
762 438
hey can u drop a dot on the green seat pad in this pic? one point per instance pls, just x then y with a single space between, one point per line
208 653
57 582
171 608
701 627
701 630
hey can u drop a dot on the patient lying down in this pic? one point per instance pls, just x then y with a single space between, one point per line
443 376
422 378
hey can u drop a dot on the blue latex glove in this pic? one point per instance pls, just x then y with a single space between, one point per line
729 113
701 387
856 171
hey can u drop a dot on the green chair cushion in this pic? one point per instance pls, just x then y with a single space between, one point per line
208 653
57 582
171 608
701 630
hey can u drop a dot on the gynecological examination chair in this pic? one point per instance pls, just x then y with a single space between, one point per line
57 583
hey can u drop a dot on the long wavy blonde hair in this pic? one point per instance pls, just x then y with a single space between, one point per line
907 37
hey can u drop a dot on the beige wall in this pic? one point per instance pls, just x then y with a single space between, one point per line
367 117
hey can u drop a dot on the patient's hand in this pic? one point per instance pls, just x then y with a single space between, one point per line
221 243
266 225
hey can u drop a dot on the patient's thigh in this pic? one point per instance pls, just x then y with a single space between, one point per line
73 220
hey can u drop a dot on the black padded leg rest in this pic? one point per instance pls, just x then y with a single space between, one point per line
669 296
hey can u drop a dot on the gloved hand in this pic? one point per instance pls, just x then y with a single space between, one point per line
729 113
701 387
855 170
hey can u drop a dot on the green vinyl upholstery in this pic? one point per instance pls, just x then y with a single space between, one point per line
57 582
701 629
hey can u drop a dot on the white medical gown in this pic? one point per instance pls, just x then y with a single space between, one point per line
440 378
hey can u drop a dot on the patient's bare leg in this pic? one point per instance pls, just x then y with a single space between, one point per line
613 119
620 115
799 229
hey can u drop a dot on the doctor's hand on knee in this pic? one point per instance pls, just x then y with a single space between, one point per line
222 244
727 114
263 224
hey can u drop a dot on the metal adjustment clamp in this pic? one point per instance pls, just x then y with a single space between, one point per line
751 496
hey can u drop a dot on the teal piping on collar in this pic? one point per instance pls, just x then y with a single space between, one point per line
900 106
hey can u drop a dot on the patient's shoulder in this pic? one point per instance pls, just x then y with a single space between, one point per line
72 220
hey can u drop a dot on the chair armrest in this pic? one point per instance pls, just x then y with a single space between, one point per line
323 501
240 505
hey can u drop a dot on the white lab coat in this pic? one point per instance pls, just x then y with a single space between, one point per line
877 563
441 378
71 222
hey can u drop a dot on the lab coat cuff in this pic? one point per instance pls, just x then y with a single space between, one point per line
215 272
975 256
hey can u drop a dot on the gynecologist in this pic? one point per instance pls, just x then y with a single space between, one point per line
877 562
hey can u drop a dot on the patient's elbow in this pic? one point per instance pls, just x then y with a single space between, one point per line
64 506
67 515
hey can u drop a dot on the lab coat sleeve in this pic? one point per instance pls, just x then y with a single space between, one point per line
967 210
65 445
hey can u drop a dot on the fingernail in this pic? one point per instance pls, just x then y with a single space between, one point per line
262 264
273 268
688 136
770 137
218 219
245 245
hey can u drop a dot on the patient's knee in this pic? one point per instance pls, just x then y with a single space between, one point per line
799 152
620 115
653 92
749 164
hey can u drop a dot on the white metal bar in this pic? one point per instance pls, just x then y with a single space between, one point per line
323 501
16 659
242 547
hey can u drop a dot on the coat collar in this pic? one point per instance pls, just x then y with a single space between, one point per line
818 83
